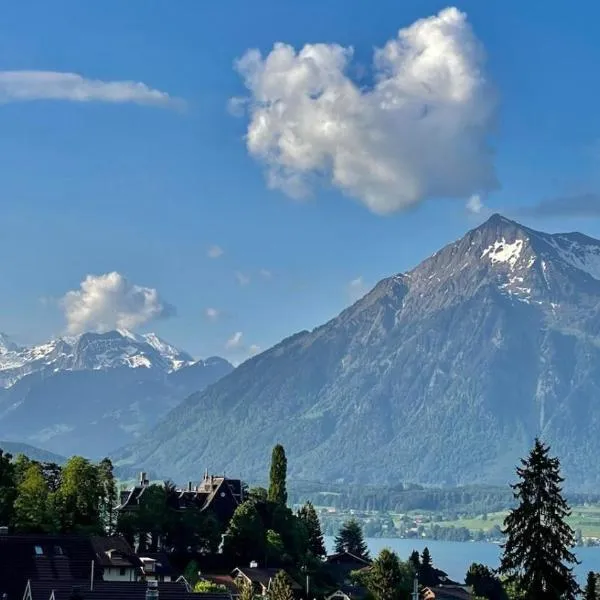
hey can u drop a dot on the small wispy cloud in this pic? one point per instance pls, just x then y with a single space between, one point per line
235 341
215 251
253 349
25 86
266 274
586 205
475 204
357 288
242 278
212 313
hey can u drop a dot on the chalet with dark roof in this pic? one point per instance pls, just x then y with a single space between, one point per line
338 568
261 578
217 494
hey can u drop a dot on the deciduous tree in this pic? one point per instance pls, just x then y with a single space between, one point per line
245 537
31 503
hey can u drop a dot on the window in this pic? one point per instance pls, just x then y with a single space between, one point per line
39 551
58 551
122 571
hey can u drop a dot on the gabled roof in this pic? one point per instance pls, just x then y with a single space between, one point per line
49 558
447 592
114 552
115 590
346 557
263 576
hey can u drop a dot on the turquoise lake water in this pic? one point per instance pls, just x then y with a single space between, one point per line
456 557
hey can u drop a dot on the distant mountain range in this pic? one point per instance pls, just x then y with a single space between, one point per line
91 393
440 375
15 448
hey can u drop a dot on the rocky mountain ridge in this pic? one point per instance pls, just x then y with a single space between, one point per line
440 375
88 394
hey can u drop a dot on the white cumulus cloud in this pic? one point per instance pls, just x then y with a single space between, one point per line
420 131
22 86
253 349
235 341
110 301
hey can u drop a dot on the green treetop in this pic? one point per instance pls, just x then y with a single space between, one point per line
386 580
537 552
280 588
350 539
590 588
309 518
31 504
245 537
277 477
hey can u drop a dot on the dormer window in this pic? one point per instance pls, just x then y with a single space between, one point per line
39 551
58 551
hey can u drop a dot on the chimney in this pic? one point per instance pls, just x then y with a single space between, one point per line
189 486
142 478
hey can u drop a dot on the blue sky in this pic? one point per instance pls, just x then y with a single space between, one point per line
99 179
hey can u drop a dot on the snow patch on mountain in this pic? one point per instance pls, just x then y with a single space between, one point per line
502 251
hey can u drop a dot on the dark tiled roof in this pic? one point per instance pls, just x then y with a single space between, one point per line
450 592
115 590
114 552
346 558
61 558
264 576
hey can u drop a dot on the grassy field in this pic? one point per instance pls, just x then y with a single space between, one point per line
586 518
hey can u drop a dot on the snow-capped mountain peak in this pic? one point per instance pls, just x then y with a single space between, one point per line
6 344
90 351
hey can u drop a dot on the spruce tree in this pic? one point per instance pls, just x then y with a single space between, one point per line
309 518
350 539
277 478
426 571
590 588
280 588
415 560
537 552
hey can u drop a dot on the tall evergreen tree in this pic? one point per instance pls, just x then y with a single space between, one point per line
590 592
426 571
537 552
415 560
309 518
277 477
280 588
350 539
